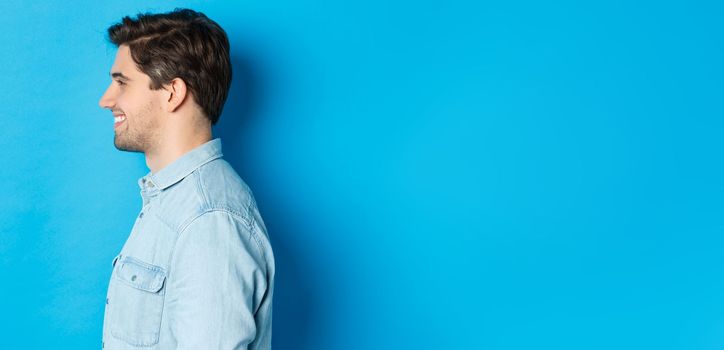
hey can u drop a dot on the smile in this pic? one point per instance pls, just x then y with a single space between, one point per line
119 120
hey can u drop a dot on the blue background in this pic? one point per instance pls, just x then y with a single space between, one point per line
433 175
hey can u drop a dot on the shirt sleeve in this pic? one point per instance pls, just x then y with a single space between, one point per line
216 283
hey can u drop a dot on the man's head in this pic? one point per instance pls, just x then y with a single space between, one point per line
171 71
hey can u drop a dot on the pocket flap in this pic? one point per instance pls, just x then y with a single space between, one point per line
140 275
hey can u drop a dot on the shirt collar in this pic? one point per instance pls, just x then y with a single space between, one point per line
181 167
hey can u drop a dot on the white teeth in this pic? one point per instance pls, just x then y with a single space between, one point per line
119 119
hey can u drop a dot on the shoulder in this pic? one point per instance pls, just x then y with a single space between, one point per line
221 188
214 188
217 233
225 210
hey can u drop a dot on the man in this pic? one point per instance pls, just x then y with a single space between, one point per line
197 270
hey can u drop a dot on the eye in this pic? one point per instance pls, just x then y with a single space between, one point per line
120 82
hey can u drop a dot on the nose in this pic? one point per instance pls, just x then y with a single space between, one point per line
107 100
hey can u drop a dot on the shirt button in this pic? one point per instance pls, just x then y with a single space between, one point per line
133 278
106 301
140 215
150 184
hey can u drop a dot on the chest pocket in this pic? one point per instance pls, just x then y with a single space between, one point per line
138 301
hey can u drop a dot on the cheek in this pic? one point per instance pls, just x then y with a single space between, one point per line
121 103
127 103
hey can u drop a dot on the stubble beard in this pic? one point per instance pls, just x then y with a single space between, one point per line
140 132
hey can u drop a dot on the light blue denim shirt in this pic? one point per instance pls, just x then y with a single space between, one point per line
197 270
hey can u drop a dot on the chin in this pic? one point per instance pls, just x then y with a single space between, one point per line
125 147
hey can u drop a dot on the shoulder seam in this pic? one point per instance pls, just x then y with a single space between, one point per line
234 214
200 187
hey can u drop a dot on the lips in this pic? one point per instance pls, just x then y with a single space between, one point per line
118 120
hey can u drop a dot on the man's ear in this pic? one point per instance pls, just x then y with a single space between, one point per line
175 94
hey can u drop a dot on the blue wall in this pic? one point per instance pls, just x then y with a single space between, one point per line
434 175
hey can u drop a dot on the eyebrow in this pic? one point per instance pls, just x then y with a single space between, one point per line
119 75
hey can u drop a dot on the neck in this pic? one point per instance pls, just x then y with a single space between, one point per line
173 148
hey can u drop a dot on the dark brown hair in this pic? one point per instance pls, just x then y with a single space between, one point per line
180 44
